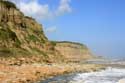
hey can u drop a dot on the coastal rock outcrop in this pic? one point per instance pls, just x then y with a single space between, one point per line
22 35
73 51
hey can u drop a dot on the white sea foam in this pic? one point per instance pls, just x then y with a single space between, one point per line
110 75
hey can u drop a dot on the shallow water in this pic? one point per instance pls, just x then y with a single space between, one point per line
110 75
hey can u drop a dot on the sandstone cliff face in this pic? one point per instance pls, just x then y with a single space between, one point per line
22 35
73 51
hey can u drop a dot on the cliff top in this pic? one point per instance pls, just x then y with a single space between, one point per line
8 4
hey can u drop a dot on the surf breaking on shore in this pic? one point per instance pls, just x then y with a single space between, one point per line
110 75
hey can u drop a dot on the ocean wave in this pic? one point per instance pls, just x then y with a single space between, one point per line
110 75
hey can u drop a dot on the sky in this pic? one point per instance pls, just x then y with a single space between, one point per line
99 24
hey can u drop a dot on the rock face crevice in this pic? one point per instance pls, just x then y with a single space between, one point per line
9 12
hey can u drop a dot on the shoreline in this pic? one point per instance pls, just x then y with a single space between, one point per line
32 73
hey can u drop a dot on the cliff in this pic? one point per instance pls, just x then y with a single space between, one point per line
21 35
73 51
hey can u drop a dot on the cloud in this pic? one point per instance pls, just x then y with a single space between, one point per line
42 11
51 29
64 7
34 9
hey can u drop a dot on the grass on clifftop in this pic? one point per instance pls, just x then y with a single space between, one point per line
55 42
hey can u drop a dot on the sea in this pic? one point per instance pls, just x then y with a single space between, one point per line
114 73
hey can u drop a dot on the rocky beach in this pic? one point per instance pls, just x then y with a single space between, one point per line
32 73
114 72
